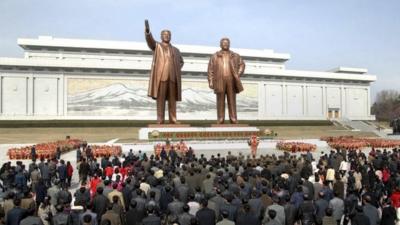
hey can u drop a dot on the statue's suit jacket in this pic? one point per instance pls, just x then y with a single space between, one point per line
215 67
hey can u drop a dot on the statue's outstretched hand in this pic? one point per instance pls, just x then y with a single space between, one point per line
147 26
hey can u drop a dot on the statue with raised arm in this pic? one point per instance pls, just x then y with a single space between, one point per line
165 75
224 71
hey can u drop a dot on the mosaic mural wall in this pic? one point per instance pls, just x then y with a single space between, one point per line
128 97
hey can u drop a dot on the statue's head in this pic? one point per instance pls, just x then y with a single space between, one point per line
225 43
166 36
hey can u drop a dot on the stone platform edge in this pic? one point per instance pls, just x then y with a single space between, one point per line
144 132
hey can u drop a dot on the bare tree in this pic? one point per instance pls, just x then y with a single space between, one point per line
387 105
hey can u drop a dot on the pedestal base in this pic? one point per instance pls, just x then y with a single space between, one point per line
168 125
198 133
229 125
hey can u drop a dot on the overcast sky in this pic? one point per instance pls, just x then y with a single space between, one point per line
319 35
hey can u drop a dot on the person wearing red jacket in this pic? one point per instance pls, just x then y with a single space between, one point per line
122 170
93 184
385 174
70 171
109 171
396 198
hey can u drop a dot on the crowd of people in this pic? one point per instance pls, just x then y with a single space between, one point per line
338 187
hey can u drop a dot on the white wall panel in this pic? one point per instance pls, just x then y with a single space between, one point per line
314 101
45 94
294 100
333 97
356 102
274 100
14 95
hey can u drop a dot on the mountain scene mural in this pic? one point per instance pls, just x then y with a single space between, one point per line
120 99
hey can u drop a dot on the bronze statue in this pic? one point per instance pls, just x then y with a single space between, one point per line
165 75
224 71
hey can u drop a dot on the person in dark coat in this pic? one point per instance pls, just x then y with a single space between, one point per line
64 196
165 198
133 216
31 218
360 218
33 152
350 203
62 172
82 196
388 213
309 186
78 155
45 172
182 190
58 152
173 155
100 203
306 211
328 193
15 215
140 204
370 211
151 218
83 170
338 186
256 204
163 154
320 206
41 192
111 215
61 217
246 217
290 211
328 219
175 207
232 209
20 180
205 216
185 217
272 216
126 192
88 211
87 220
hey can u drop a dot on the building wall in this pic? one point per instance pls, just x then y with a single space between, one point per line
311 100
28 94
44 95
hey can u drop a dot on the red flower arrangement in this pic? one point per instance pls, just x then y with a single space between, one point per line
45 150
295 146
106 150
350 142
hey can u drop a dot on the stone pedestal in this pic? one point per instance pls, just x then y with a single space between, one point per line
228 131
168 125
229 125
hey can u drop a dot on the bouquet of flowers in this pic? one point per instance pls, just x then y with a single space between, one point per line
295 146
106 150
46 150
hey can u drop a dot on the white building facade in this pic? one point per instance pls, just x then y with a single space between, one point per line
66 79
